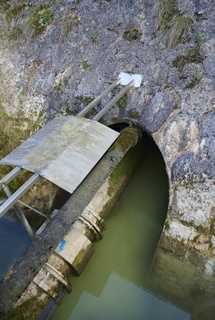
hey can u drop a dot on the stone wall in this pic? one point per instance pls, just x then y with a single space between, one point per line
56 57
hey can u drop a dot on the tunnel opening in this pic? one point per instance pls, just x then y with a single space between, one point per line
118 126
113 270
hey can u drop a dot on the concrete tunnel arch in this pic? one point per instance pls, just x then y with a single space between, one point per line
118 126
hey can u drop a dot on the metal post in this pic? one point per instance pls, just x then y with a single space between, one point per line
33 209
113 101
11 175
98 99
18 194
20 213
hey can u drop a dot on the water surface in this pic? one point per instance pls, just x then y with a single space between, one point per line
114 283
14 240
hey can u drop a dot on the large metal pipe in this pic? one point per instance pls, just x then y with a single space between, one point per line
14 284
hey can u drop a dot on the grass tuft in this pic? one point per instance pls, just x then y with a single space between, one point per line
174 22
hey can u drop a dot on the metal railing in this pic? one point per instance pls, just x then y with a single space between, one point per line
14 198
113 101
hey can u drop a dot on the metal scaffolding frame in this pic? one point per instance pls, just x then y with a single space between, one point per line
14 198
33 156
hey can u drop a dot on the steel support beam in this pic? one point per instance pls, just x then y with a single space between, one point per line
19 212
18 194
11 175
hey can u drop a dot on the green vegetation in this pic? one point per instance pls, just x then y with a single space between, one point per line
11 136
121 103
15 33
195 239
94 36
173 21
124 141
166 225
84 65
58 86
124 169
193 53
68 24
4 5
39 18
134 114
167 11
14 13
212 222
180 28
198 38
87 100
196 80
28 309
180 61
132 34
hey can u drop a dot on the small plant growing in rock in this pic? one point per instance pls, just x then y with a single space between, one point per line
39 18
198 40
167 10
132 34
173 21
84 65
15 33
196 79
134 114
4 5
68 24
166 225
14 13
141 16
121 103
94 37
193 53
58 86
197 75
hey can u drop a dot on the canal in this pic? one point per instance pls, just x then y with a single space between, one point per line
14 241
114 284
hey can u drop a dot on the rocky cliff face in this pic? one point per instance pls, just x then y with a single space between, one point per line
57 56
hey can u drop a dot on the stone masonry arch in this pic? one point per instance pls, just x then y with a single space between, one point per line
60 70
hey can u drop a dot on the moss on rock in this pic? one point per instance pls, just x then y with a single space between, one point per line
132 34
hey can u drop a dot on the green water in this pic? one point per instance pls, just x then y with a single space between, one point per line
114 283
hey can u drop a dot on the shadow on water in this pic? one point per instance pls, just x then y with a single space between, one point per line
14 241
114 283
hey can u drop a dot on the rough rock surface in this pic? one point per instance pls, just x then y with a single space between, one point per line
83 47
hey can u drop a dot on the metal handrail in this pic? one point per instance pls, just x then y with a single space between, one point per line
18 194
98 99
113 101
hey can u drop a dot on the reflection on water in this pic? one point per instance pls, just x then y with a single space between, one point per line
128 302
113 285
14 241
